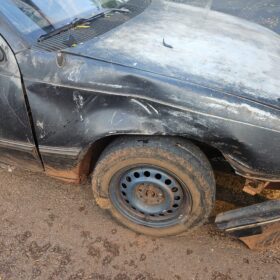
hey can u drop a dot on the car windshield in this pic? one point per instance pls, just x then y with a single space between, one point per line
37 17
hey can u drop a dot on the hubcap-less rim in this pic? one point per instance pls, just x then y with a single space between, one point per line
149 196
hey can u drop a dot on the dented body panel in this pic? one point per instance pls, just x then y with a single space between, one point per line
205 76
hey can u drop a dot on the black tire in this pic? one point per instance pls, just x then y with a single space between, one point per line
165 160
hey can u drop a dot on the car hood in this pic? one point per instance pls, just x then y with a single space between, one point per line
197 46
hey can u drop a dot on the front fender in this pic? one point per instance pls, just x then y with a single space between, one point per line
84 100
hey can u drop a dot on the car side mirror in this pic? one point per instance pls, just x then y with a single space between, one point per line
2 55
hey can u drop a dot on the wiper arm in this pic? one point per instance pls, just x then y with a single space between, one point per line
80 21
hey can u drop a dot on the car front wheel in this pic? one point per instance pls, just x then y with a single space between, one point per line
156 186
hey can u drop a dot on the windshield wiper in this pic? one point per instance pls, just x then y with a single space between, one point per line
80 21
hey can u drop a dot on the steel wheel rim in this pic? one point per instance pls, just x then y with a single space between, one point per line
150 196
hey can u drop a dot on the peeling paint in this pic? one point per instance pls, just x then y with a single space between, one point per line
223 50
79 100
40 124
218 85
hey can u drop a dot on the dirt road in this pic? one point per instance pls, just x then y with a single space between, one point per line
51 230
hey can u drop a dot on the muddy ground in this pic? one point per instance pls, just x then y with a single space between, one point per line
52 230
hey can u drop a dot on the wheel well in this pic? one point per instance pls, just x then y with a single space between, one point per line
215 157
97 148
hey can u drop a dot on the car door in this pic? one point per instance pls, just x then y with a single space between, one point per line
17 145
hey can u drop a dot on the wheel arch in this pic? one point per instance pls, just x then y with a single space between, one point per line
88 158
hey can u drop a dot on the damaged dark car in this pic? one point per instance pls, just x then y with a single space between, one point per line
142 95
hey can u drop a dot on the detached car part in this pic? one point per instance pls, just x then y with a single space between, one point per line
138 93
258 226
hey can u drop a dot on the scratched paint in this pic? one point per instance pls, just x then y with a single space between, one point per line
205 87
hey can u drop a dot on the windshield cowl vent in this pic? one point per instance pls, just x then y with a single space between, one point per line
76 36
81 34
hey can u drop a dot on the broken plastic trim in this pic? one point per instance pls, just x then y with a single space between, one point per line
258 226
